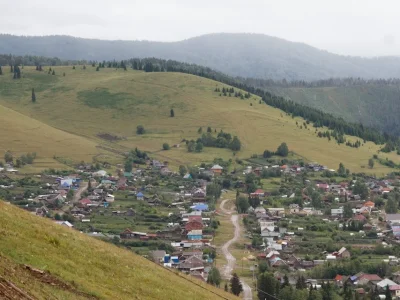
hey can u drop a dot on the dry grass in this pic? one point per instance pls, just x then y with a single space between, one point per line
95 267
86 102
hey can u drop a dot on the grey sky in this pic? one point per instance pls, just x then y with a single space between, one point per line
350 27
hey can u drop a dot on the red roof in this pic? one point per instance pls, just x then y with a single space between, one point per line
370 277
369 204
259 191
394 287
85 201
339 277
359 218
195 218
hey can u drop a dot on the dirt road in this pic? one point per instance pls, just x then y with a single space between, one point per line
231 260
79 191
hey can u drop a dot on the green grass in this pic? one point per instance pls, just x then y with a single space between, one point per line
93 266
85 103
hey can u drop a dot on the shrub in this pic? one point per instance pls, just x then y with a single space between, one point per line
166 146
140 129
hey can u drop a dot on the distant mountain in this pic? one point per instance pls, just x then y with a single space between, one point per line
247 55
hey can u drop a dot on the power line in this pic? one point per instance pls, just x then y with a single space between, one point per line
267 294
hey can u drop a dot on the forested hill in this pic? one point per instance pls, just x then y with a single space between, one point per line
247 55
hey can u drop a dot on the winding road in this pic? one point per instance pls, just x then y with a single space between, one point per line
231 260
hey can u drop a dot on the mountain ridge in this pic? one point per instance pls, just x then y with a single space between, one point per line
237 54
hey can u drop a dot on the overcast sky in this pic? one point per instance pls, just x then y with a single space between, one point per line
363 27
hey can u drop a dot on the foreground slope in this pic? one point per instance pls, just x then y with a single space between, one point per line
238 54
87 103
80 267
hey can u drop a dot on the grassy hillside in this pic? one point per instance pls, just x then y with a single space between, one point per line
79 267
370 104
86 103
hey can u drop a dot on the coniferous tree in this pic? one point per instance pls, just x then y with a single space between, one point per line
172 113
33 95
285 281
236 285
226 287
64 74
388 294
1 71
73 67
11 69
53 73
97 69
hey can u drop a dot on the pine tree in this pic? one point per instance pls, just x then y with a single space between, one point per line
172 113
54 73
11 69
285 281
236 285
1 71
97 69
90 185
33 95
64 74
388 294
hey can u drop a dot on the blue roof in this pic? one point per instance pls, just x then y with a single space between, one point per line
353 278
140 194
200 206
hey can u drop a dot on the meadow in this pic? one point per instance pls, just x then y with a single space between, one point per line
84 103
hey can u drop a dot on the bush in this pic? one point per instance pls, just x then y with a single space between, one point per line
140 129
165 146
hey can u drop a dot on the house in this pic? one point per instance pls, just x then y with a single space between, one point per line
276 262
65 223
85 202
42 211
277 211
369 204
100 173
195 235
140 196
260 210
199 195
365 279
200 207
187 176
384 283
339 280
395 290
396 276
337 212
157 255
259 193
129 234
110 198
217 169
323 186
171 233
194 224
342 253
192 263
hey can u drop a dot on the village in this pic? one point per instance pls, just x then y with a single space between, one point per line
299 219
